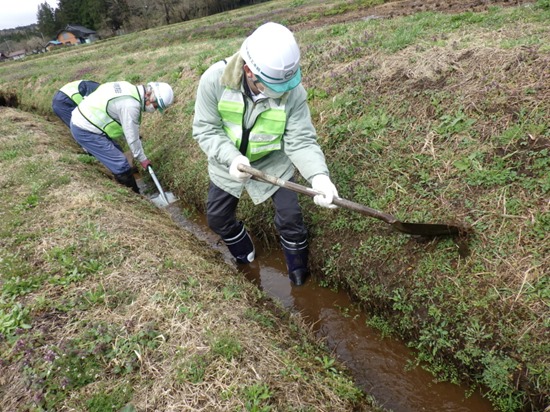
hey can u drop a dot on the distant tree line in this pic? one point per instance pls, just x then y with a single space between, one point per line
128 15
109 18
28 38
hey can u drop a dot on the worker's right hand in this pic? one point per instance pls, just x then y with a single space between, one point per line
322 184
145 164
236 173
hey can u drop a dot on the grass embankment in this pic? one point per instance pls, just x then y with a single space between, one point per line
431 117
105 302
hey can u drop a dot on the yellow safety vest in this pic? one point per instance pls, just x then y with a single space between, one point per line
94 107
266 134
71 90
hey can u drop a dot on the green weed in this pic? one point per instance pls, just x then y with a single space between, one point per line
452 124
231 291
30 202
226 346
382 325
134 78
17 286
327 363
95 296
13 318
193 370
498 376
260 317
109 400
8 154
257 398
79 361
87 159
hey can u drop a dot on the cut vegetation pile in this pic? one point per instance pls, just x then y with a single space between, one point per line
433 111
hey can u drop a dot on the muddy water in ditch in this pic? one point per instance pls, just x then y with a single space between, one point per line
380 366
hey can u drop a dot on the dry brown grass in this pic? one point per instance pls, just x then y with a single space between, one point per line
156 277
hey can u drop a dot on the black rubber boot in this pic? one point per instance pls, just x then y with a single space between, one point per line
296 260
128 179
241 246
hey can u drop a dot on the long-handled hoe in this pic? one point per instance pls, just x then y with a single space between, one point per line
422 229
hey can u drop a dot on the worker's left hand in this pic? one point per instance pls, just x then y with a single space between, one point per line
322 183
145 164
236 173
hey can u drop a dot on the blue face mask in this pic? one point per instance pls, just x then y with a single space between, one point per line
267 92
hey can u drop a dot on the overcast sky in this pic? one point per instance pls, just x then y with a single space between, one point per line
14 13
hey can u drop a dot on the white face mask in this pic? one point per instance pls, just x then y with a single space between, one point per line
267 92
149 108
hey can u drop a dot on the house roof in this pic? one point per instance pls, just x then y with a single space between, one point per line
78 31
17 53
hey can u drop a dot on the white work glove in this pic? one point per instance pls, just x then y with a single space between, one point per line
322 183
236 173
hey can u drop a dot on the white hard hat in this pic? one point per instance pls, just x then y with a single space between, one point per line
272 54
163 94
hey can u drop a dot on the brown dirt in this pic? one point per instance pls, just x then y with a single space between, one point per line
407 7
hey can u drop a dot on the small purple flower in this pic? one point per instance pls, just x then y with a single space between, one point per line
65 382
38 398
20 345
49 356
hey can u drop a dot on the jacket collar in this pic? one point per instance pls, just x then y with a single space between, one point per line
232 76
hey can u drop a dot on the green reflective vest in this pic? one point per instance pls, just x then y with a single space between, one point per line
71 90
266 134
94 107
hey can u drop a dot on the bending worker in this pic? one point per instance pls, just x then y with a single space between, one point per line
69 96
251 109
112 111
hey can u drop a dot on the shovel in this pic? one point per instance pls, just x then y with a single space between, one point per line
422 229
163 198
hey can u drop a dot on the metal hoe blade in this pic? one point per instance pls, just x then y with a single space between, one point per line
161 201
163 198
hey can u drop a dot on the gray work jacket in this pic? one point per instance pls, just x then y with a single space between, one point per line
299 146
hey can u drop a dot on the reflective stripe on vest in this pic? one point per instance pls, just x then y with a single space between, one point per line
94 107
71 90
266 134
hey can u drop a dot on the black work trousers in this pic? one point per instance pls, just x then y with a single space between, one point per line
221 214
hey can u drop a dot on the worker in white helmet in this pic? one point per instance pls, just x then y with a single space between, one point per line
69 96
252 109
112 111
